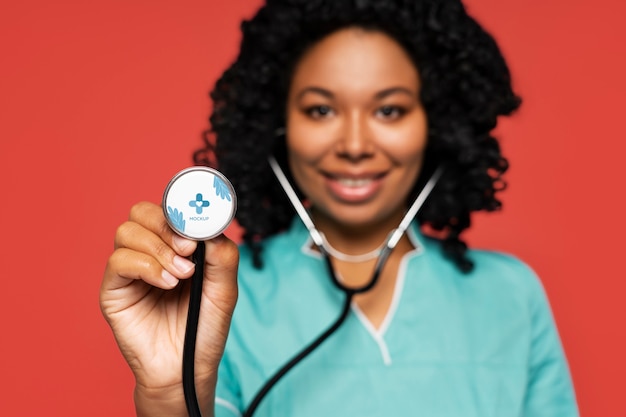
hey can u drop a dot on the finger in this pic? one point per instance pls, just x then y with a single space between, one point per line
126 266
151 216
134 236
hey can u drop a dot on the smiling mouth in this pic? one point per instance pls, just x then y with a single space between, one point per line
354 182
354 188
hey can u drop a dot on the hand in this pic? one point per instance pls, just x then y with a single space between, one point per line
145 294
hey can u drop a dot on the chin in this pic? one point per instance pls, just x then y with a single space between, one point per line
355 218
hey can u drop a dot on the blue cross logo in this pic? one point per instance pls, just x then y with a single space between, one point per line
199 203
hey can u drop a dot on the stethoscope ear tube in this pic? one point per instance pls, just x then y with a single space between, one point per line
318 237
295 202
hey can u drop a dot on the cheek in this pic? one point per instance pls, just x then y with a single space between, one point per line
303 152
307 141
405 143
303 174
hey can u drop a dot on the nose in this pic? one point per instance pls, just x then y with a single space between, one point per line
355 142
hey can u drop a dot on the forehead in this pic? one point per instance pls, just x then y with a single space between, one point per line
355 59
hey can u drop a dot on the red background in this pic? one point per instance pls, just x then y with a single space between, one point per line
100 103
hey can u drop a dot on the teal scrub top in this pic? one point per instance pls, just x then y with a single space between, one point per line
477 345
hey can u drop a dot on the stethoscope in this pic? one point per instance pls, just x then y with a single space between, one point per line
217 204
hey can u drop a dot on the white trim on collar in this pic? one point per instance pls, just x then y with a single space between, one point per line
378 334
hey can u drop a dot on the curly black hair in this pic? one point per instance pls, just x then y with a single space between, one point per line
466 85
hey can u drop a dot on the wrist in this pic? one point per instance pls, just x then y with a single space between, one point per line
157 402
170 401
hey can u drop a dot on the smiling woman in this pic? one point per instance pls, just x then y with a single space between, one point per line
460 79
359 103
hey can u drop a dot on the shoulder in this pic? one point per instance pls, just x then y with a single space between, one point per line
495 273
507 269
500 265
509 278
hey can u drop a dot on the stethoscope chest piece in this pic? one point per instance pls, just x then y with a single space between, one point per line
199 203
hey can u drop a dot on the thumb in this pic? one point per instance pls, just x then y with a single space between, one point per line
220 271
219 296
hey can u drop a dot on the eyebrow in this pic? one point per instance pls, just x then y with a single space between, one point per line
379 96
317 90
393 90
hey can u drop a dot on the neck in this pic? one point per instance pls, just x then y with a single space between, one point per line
355 239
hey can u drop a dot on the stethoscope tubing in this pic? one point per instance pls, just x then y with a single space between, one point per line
191 332
349 293
196 293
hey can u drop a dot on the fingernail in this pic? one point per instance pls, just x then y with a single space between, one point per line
169 278
182 264
181 243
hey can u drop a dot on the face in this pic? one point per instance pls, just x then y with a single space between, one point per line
356 129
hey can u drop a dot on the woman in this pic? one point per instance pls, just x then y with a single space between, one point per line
360 102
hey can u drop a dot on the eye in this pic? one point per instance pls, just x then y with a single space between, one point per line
319 112
390 112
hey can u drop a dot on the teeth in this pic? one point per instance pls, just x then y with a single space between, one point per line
354 183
